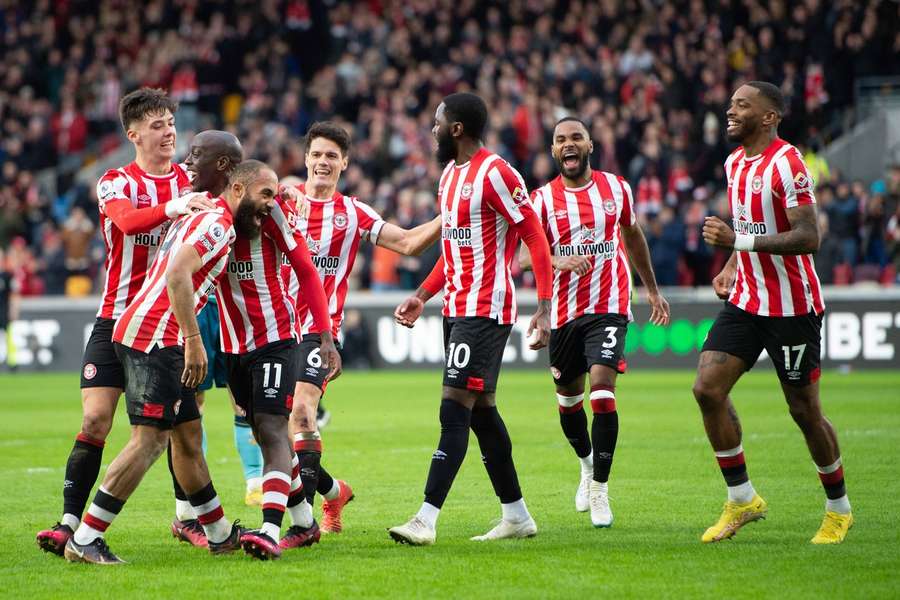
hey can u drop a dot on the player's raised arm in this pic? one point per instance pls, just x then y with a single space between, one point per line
410 242
180 288
113 195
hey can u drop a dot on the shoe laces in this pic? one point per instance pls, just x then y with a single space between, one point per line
600 501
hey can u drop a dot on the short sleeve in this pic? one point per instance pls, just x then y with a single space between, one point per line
627 217
369 221
540 205
280 225
510 197
212 236
111 187
791 181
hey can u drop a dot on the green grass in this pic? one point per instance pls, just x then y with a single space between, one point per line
665 490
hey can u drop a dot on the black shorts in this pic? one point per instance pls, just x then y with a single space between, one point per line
587 341
262 381
153 391
100 366
309 363
473 351
793 343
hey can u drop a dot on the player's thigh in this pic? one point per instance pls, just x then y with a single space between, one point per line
153 389
794 344
732 347
273 376
473 353
604 344
567 362
100 365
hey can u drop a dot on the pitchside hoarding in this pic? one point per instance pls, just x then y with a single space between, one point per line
862 330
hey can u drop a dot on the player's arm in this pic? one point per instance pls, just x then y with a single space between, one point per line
113 195
529 229
577 264
639 254
724 281
180 288
410 242
802 238
411 309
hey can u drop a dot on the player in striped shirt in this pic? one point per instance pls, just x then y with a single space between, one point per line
773 303
258 333
158 342
484 212
588 218
136 202
333 230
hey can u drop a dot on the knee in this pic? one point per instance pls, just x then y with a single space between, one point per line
152 441
454 416
96 423
271 430
709 397
805 415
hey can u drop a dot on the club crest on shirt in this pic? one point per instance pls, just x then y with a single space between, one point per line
340 220
756 185
609 206
466 191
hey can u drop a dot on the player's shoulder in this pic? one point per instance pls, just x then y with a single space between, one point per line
113 183
735 154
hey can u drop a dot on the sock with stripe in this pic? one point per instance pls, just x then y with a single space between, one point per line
604 429
82 470
99 516
297 505
276 488
209 512
496 453
451 450
249 452
328 486
574 426
183 509
832 478
734 470
308 447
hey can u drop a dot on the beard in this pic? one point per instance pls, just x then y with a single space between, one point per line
245 220
573 173
445 148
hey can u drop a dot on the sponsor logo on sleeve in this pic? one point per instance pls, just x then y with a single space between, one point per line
519 196
803 183
217 232
106 191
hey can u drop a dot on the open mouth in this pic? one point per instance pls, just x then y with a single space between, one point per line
571 160
732 124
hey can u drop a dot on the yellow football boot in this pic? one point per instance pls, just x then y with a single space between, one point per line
834 528
254 497
734 516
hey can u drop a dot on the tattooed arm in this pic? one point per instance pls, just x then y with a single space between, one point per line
802 238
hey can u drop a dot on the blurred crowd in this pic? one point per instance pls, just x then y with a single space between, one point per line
652 77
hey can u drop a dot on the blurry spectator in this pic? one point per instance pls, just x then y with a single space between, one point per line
666 241
873 232
843 215
9 309
356 345
77 232
829 254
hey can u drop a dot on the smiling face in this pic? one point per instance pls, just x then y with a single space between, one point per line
202 165
748 113
324 163
154 135
571 149
256 202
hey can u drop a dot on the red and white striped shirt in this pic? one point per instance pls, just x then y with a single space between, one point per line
584 221
148 321
254 308
332 231
129 256
760 189
479 200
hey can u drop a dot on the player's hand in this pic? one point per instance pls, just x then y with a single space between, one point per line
659 309
189 202
540 326
579 265
297 198
409 311
331 358
723 282
195 363
717 233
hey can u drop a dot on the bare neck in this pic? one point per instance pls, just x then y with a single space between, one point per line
579 181
466 149
153 165
321 192
759 142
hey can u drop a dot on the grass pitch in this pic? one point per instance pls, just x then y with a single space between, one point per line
665 489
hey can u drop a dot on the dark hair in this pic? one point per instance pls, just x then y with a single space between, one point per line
136 105
247 171
772 93
577 120
469 110
330 131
